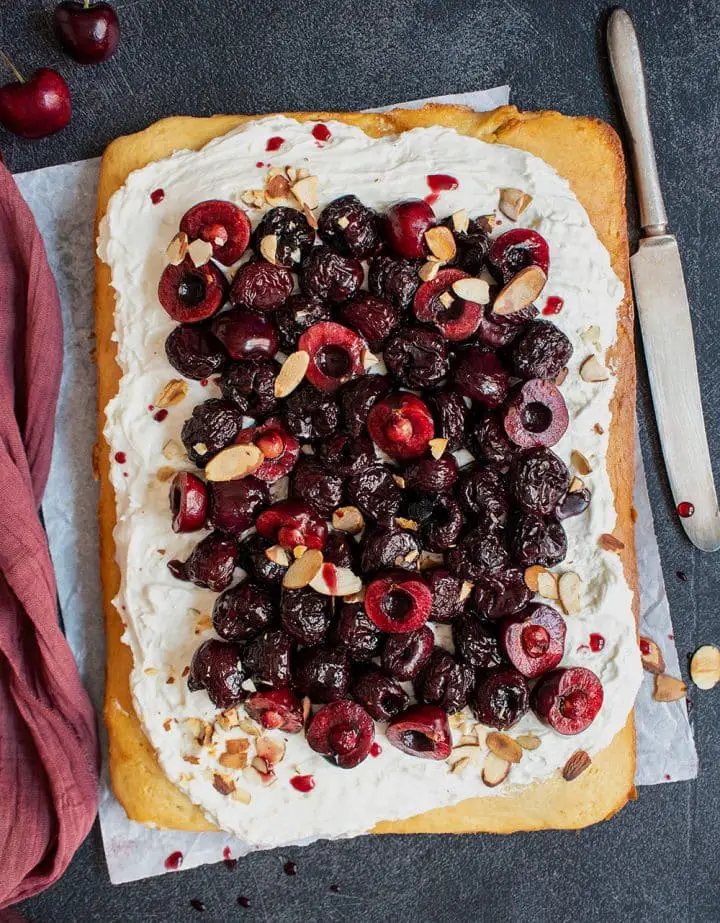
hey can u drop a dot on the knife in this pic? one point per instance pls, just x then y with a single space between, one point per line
663 309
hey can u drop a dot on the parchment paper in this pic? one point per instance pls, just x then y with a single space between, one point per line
62 199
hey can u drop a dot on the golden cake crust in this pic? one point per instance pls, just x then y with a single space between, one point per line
587 152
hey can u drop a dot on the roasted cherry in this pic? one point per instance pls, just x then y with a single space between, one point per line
261 286
345 455
243 611
405 655
497 331
213 425
444 681
291 523
489 442
192 350
501 593
372 317
246 334
306 615
542 351
251 385
534 639
537 540
432 475
221 224
479 553
450 414
329 276
293 235
516 249
421 730
281 450
188 502
311 414
343 732
276 709
375 492
539 480
417 357
322 673
441 529
217 667
350 227
573 503
394 279
568 699
450 595
476 644
190 293
356 633
481 376
358 397
405 227
381 697
336 355
473 244
254 559
317 485
235 504
211 563
482 491
501 698
398 602
296 315
536 415
401 425
387 547
341 551
267 658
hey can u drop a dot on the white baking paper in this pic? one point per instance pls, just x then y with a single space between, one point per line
62 199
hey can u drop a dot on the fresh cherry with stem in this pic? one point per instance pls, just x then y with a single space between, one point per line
36 107
89 33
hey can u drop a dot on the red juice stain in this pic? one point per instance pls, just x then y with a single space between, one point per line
644 646
553 305
204 383
274 144
259 164
375 749
437 183
290 867
160 415
151 407
303 783
156 196
330 576
432 198
125 474
597 642
685 509
228 859
174 861
120 458
671 636
667 776
321 132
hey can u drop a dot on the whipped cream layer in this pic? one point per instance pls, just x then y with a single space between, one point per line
165 619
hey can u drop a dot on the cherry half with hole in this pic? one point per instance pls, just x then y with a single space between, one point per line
189 293
37 107
536 415
398 602
89 33
188 502
516 249
221 224
423 731
343 732
401 425
276 709
336 355
458 319
291 523
534 639
405 227
405 655
568 699
280 448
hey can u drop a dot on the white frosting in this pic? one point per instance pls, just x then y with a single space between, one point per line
161 613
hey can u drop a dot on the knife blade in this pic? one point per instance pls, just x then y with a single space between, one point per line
664 310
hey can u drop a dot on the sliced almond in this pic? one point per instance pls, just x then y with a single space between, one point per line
430 560
343 222
468 740
475 290
668 688
548 585
223 784
368 359
237 461
529 741
429 270
651 656
348 519
580 462
593 370
504 747
173 393
177 248
598 429
165 473
437 447
487 222
192 759
292 373
441 243
255 198
400 481
310 217
591 335
465 590
460 220
228 719
495 770
278 555
460 766
249 685
250 727
262 766
561 376
610 543
239 794
532 577
270 749
233 760
404 523
467 751
520 291
575 485
173 451
268 248
298 551
199 252
306 191
569 586
446 299
576 765
513 202
277 189
356 597
705 666
306 709
303 570
335 581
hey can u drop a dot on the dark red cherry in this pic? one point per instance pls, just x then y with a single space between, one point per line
245 334
291 523
336 355
450 595
501 593
401 425
343 732
357 633
193 351
445 681
422 730
243 611
516 249
330 276
568 699
405 227
221 224
88 33
211 563
534 639
536 415
188 502
322 673
405 655
276 709
214 424
235 504
293 235
261 286
218 668
481 376
36 107
501 698
267 658
398 602
379 695
190 293
350 227
373 318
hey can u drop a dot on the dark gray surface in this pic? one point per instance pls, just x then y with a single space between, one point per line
657 860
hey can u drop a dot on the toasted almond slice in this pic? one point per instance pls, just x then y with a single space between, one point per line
460 766
239 794
651 656
292 372
268 248
306 709
228 719
705 666
348 519
468 740
200 448
456 719
561 376
465 590
310 217
406 523
475 290
598 429
446 299
306 191
400 481
173 451
430 560
460 220
412 556
237 461
177 248
576 765
249 685
495 770
199 252
532 577
668 688
520 291
575 485
580 462
250 727
504 747
335 581
356 597
270 749
569 586
278 555
591 335
610 543
369 359
173 393
260 765
593 370
529 741
343 222
548 585
466 751
223 784
429 270
513 203
437 447
303 570
165 473
298 551
277 189
233 760
441 242
255 198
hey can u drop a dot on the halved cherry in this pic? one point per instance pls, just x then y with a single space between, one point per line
246 334
189 293
398 602
188 502
343 732
568 699
534 639
458 319
406 224
336 355
291 523
401 425
536 415
221 224
280 448
277 709
422 730
516 249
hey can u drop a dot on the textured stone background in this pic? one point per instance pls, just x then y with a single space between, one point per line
657 861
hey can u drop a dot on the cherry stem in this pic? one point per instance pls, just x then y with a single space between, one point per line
18 75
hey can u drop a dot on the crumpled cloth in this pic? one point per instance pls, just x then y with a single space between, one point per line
48 738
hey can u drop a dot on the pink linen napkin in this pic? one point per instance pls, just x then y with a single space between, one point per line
48 738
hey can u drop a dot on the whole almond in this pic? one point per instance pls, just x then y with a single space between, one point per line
495 770
504 747
237 461
292 373
576 765
651 656
668 688
520 291
441 243
303 570
610 543
705 666
513 202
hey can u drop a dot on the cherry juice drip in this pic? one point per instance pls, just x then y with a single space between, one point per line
437 183
375 749
273 144
228 859
330 576
321 132
303 783
160 415
174 861
685 509
156 196
553 305
644 647
120 458
597 642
